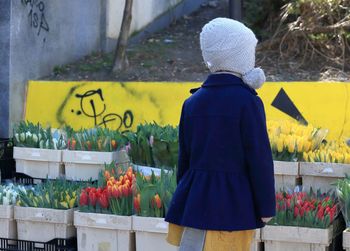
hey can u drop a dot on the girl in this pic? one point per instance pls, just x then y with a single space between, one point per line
225 171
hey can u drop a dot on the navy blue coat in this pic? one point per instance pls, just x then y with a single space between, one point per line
225 170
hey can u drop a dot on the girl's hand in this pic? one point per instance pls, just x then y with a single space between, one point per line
266 220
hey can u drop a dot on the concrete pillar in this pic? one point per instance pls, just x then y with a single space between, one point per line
5 18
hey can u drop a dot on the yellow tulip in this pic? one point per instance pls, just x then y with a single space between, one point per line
64 204
291 145
280 145
72 202
307 145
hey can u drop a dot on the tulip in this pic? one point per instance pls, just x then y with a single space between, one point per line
158 201
137 202
291 145
83 201
103 200
114 144
92 198
279 144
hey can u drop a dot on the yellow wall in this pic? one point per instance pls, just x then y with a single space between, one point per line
321 104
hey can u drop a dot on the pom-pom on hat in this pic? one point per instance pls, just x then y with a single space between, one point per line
228 45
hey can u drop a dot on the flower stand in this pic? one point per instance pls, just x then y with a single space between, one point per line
85 165
104 232
8 228
38 163
322 174
151 230
41 224
285 174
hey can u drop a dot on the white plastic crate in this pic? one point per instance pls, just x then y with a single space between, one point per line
85 165
277 238
97 232
38 163
8 227
41 224
285 174
322 175
151 230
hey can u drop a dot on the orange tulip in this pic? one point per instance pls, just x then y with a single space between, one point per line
137 203
114 144
158 201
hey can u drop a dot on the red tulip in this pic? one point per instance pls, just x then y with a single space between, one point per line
92 198
137 202
103 200
296 212
84 200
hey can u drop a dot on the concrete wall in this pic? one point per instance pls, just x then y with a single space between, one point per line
41 34
144 12
5 9
46 34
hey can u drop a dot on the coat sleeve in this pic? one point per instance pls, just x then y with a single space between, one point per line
183 161
258 156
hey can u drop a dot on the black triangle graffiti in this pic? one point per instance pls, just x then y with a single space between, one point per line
283 103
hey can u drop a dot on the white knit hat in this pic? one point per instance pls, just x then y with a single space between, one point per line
228 45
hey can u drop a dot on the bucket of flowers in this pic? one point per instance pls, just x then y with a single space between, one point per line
37 152
303 221
88 150
325 165
289 141
152 196
45 212
8 198
343 193
104 217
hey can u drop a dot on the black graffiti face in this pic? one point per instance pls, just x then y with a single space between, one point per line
92 105
36 15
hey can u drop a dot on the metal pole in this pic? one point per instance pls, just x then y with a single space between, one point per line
235 9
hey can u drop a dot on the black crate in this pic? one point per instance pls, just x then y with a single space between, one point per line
7 163
54 245
23 179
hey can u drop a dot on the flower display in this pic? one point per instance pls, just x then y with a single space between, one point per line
114 194
56 194
331 152
154 145
343 193
305 209
152 194
9 194
27 134
97 139
289 140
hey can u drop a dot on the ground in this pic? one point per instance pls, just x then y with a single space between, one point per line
173 54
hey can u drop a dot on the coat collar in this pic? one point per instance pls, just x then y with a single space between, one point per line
224 79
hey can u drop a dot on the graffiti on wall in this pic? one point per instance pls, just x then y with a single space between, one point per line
36 16
92 106
125 105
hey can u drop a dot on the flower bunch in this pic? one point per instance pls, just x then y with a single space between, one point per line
343 193
27 134
56 194
97 139
304 210
154 145
290 140
9 194
152 194
114 194
331 152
